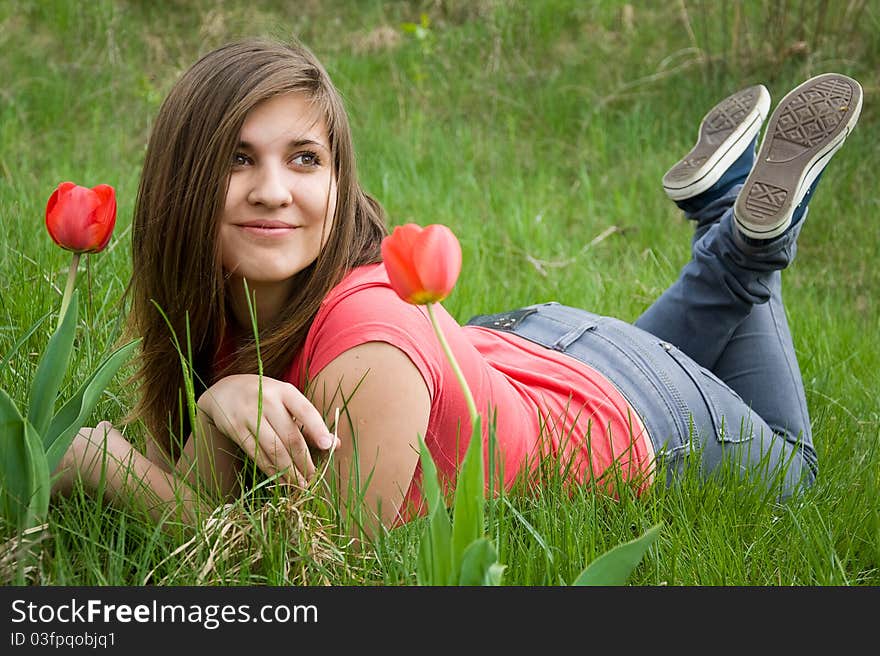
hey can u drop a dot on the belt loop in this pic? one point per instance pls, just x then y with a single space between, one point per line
572 335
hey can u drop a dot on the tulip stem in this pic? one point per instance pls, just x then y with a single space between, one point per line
472 407
68 289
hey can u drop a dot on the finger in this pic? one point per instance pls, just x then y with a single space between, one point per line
245 438
292 438
271 454
308 418
104 427
276 461
302 457
101 433
243 433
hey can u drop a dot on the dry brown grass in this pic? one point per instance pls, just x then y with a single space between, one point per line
237 545
19 556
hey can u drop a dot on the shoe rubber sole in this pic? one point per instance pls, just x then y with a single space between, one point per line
725 132
807 127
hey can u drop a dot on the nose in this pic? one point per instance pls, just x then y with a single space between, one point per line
271 187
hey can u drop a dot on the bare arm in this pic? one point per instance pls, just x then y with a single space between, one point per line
104 460
384 407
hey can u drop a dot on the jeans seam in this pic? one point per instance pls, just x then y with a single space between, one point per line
805 418
679 402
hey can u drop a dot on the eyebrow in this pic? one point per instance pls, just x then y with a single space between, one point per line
295 143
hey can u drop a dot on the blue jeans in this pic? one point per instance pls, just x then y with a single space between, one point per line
710 367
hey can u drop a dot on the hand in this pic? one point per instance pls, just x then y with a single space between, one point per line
289 425
67 471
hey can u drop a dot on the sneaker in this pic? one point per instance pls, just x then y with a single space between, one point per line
725 134
805 130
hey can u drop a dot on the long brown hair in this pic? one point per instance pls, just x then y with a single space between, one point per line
176 263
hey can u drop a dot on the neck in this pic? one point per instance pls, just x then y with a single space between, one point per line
267 300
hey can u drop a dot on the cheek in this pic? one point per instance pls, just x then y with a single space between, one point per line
231 209
234 186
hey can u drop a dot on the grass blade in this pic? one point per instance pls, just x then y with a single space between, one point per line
21 340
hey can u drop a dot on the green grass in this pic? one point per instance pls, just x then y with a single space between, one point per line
529 129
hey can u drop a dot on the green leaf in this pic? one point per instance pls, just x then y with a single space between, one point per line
38 477
493 576
74 413
24 476
479 564
430 483
14 484
51 370
614 566
470 499
435 564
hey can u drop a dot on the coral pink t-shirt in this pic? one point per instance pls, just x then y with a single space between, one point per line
544 403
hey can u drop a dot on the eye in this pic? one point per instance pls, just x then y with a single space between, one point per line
306 159
240 159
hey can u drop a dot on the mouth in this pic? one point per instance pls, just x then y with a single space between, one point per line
266 224
267 228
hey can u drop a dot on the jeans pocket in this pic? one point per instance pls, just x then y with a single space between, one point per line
732 417
727 411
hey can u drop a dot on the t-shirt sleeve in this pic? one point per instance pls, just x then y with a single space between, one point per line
374 314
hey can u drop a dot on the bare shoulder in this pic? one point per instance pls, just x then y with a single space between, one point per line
384 406
376 371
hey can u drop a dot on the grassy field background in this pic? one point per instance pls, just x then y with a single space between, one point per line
538 131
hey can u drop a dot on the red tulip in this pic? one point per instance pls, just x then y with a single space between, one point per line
422 263
81 219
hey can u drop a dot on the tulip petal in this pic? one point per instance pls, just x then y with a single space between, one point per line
53 210
436 257
105 215
397 256
53 199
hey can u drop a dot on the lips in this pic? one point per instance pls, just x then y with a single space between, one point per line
266 224
264 229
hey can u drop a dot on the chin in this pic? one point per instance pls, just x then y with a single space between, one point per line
264 276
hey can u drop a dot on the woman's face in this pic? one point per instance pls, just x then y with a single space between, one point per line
282 193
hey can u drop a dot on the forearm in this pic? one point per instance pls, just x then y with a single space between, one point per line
108 464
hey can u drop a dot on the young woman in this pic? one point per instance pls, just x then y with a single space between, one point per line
250 216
